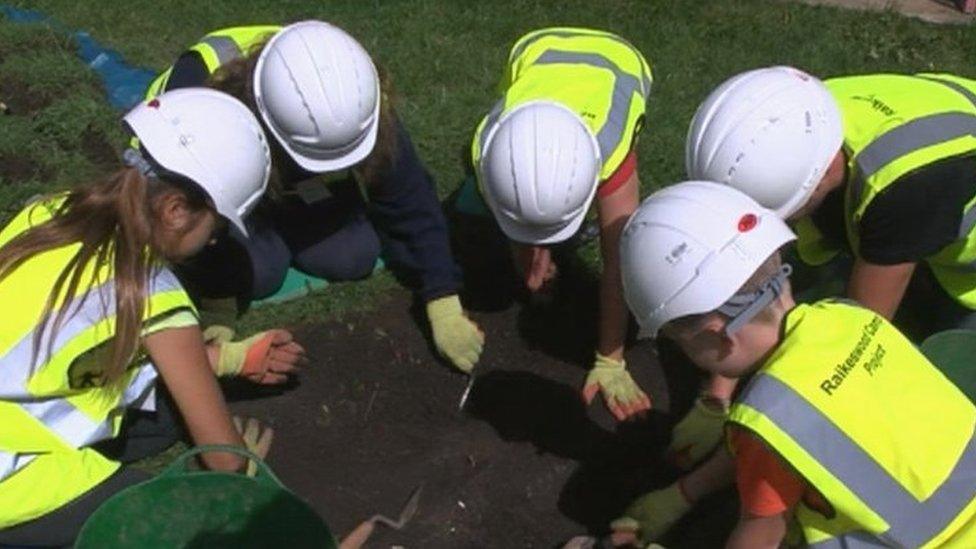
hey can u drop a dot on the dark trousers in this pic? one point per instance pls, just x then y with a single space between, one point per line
928 309
143 434
331 239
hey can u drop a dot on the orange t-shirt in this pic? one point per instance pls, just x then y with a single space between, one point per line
767 485
626 169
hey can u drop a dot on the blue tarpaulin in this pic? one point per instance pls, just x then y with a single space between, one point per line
124 84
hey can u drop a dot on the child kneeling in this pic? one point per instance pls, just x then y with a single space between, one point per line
834 432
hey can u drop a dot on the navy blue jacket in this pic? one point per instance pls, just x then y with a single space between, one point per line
402 206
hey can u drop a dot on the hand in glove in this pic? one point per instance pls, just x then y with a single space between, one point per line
257 438
700 432
266 358
621 394
650 516
456 337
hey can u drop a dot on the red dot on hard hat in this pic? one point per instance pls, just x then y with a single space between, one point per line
747 223
153 104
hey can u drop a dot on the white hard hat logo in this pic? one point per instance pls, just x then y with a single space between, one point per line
677 253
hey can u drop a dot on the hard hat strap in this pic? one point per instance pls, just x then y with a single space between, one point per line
743 307
134 159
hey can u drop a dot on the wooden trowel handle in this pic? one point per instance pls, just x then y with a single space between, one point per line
358 537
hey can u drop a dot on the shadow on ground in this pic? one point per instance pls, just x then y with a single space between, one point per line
526 464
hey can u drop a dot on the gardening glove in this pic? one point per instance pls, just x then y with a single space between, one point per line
456 337
265 358
701 430
621 394
650 516
257 438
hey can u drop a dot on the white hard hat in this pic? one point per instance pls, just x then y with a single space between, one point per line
319 93
771 133
689 248
211 139
539 169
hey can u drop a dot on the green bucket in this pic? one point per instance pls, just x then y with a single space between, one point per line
954 353
182 508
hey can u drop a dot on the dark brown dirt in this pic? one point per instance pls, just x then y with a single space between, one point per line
97 149
19 98
21 101
18 168
526 464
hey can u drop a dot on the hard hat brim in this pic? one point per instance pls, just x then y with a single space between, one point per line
524 234
345 161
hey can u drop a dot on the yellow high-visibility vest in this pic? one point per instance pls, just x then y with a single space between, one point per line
856 410
53 407
893 125
219 48
597 75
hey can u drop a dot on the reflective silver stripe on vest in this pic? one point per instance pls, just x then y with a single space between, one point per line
915 135
969 216
141 387
646 80
8 464
95 306
16 363
912 136
968 222
75 427
957 87
11 463
58 414
624 87
911 522
225 48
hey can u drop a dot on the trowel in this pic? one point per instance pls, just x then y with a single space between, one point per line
358 537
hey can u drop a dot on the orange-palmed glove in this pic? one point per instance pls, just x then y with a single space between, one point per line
266 357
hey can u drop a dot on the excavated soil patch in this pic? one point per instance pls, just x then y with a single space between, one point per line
526 464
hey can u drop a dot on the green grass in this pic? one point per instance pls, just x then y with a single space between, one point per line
334 303
446 56
59 130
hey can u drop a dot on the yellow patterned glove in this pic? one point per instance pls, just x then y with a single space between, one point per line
257 438
650 516
621 393
700 432
456 337
266 357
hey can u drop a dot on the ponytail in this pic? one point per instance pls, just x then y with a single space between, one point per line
112 222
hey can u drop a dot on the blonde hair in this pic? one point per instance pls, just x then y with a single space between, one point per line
113 220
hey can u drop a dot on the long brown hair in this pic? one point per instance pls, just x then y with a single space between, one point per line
237 79
112 220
